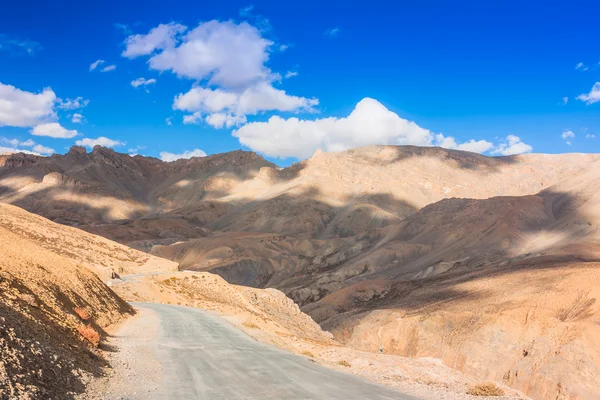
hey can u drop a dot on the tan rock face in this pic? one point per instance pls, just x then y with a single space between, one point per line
427 251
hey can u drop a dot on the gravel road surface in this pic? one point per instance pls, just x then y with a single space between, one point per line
173 352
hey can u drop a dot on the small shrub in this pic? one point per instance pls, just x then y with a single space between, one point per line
344 363
82 313
308 354
89 334
485 389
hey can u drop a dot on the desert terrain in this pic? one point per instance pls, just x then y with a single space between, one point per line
69 331
489 264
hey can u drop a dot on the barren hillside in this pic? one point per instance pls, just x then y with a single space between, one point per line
487 263
51 304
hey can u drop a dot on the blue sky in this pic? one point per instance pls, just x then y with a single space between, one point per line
285 78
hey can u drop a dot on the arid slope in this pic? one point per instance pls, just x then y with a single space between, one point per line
47 295
487 263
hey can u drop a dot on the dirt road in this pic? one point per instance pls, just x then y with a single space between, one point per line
172 352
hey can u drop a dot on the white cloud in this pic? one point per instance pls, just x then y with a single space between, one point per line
262 97
226 54
27 143
168 157
108 68
332 32
168 121
12 150
475 146
22 109
38 148
95 64
77 118
512 145
229 59
290 74
565 100
72 104
101 141
142 82
593 96
17 142
581 67
53 130
567 135
161 37
590 136
221 120
283 47
369 123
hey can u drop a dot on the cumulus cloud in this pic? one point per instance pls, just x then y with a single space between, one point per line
77 118
590 136
16 147
95 64
101 141
565 100
229 59
16 142
12 150
567 135
512 145
593 96
38 148
168 121
168 157
475 146
23 109
108 68
72 104
221 120
142 82
53 130
161 37
227 54
369 123
262 97
290 74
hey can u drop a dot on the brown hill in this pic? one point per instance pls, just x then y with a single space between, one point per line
426 251
51 301
502 288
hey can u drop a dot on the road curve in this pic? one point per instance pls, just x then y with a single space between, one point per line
202 356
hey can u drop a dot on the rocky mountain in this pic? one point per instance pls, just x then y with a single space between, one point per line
488 263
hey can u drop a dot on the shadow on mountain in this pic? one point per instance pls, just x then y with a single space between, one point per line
463 159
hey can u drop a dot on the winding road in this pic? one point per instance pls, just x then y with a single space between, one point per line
173 352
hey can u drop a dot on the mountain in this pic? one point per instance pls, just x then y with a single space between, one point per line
489 263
